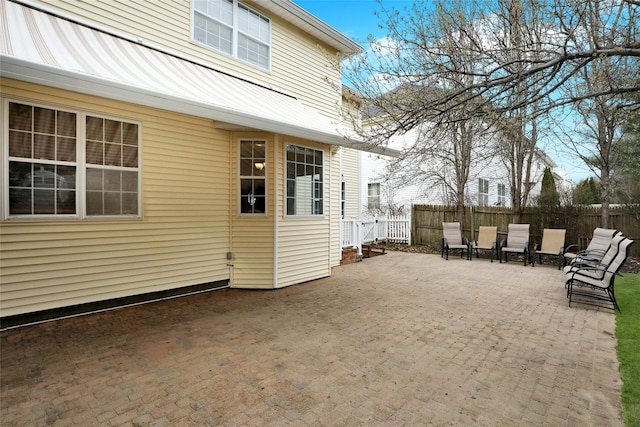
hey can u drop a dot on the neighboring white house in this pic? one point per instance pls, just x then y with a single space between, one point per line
488 183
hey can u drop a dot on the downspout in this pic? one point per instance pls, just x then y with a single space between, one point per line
231 206
338 152
276 219
341 228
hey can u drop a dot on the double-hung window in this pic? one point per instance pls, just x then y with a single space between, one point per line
502 195
64 164
253 196
483 192
305 188
230 27
373 195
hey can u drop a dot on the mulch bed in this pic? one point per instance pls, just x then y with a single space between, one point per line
631 266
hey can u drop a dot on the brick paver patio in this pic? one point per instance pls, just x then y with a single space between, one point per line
399 339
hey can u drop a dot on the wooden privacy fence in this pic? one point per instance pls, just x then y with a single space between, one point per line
579 221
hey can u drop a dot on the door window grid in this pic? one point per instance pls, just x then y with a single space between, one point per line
253 196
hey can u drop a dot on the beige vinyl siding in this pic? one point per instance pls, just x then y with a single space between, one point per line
303 250
300 64
303 242
252 236
351 176
181 239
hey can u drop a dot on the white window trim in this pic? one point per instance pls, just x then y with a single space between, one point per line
80 163
234 36
324 184
266 180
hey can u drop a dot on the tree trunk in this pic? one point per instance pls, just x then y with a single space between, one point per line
605 183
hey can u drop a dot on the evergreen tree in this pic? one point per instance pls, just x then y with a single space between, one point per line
586 192
549 195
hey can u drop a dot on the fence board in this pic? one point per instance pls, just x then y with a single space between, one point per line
579 221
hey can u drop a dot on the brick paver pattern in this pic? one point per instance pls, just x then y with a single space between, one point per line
399 339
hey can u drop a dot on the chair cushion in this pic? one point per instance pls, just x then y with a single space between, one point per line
451 232
518 236
486 237
552 241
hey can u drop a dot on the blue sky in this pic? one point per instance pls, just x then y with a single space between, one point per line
353 18
356 20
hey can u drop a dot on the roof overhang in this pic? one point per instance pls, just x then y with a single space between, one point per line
293 13
48 50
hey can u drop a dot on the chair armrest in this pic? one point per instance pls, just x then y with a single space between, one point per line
587 265
445 242
465 241
590 256
526 246
503 243
536 247
570 247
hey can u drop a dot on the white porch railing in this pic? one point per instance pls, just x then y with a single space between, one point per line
357 232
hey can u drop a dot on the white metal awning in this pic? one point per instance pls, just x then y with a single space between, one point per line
45 49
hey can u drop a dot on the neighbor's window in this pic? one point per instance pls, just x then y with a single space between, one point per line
304 181
230 27
502 195
253 194
373 195
483 192
52 151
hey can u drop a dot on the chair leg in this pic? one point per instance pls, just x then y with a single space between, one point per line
612 297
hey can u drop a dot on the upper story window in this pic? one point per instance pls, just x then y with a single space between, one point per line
66 164
230 27
253 194
305 187
483 192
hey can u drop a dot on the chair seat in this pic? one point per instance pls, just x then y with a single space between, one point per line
583 274
457 246
547 253
473 246
517 250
